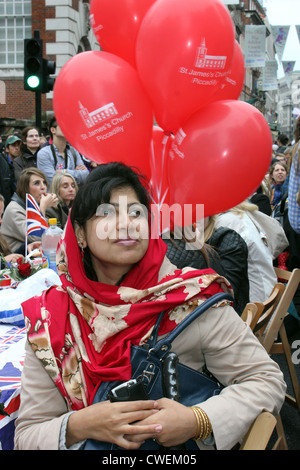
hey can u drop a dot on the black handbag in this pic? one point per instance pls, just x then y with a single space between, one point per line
157 373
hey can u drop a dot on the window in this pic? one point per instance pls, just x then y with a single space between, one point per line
15 26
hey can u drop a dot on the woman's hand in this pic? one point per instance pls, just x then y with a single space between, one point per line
115 423
178 424
34 246
48 200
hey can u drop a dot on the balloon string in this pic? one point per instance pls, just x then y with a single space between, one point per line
160 198
155 198
154 166
165 141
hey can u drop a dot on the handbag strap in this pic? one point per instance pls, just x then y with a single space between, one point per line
164 345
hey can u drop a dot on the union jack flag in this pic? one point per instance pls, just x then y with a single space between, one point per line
11 405
36 223
11 366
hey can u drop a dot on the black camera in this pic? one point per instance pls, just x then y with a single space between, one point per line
128 391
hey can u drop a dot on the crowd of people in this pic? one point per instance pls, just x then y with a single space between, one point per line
114 287
49 169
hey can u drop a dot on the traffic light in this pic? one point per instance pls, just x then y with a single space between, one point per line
37 70
48 69
33 64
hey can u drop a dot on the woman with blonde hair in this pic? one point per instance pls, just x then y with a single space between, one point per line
65 187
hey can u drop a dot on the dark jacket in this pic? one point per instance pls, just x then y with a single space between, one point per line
230 262
59 213
26 160
263 203
7 180
280 213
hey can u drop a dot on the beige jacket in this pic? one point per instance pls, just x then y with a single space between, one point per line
232 354
14 226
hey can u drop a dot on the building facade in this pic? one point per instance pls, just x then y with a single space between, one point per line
65 29
251 12
288 105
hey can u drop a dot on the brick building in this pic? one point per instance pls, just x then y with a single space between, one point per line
65 30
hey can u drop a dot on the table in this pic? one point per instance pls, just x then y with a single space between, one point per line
12 346
12 353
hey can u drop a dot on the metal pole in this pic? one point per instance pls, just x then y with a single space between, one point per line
38 110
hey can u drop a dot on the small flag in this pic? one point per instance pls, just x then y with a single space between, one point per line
36 223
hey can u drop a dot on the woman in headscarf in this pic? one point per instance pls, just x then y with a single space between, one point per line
116 279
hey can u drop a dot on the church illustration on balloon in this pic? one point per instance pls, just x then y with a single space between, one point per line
93 118
209 61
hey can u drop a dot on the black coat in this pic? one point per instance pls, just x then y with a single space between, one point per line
230 261
293 261
7 181
26 160
263 203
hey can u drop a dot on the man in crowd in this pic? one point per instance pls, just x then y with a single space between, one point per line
7 175
59 156
282 142
13 147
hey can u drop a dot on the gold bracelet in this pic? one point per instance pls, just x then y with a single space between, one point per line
199 422
208 427
204 427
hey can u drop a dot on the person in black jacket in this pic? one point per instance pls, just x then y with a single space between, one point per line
224 251
261 200
282 142
7 177
30 147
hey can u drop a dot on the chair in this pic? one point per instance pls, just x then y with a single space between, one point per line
272 335
265 311
276 326
260 432
249 314
258 316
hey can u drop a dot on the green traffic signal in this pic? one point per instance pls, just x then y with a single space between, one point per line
33 64
33 81
37 70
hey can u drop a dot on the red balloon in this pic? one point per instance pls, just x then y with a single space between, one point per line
219 157
232 85
183 51
116 23
103 109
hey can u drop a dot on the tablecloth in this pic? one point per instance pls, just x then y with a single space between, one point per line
12 347
12 353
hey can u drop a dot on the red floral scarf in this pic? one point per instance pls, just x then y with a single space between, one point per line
82 331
